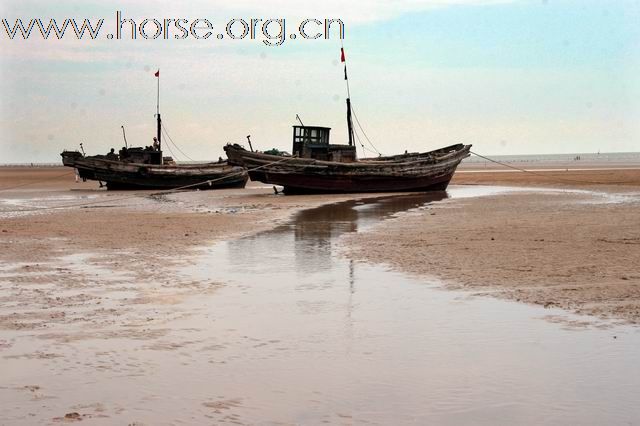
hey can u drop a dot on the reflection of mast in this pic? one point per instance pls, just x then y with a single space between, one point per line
351 281
352 290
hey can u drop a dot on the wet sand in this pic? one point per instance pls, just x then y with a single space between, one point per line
133 234
574 244
153 229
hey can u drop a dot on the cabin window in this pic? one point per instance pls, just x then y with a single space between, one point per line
311 135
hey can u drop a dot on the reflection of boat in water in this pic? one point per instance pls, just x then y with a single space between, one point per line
146 168
312 233
318 166
319 225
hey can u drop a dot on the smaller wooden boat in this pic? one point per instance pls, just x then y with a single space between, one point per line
123 174
146 168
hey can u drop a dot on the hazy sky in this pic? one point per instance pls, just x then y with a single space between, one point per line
510 77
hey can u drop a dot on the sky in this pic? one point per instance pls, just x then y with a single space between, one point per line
508 76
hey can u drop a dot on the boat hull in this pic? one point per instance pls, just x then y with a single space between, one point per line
431 171
117 175
296 183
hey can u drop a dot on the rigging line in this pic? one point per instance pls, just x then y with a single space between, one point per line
531 172
363 132
175 157
364 148
174 144
164 131
169 191
359 141
38 181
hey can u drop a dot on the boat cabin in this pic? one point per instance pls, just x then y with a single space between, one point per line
141 155
313 142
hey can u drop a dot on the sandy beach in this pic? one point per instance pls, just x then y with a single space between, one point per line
572 245
108 288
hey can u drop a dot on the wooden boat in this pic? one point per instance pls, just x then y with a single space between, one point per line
124 174
146 168
316 166
429 171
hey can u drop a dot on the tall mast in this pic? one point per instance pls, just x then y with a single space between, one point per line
349 123
346 78
159 130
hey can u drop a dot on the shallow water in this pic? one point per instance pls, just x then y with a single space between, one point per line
299 334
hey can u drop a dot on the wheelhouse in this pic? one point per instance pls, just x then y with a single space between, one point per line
313 142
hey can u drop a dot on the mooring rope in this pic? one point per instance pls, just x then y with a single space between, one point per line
531 172
6 188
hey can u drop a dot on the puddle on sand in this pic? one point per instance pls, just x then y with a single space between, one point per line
301 335
310 337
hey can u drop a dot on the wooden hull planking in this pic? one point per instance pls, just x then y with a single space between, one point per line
119 175
423 172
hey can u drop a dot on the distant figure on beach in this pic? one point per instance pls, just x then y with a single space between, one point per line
220 160
112 155
156 144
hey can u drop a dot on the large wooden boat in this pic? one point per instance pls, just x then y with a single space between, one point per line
146 168
316 166
300 174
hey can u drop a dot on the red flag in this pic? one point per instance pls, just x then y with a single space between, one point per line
342 54
157 74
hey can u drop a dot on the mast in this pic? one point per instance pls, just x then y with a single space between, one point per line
159 131
159 120
349 122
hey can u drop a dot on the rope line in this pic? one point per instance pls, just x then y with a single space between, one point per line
363 132
364 148
544 175
173 155
169 191
174 144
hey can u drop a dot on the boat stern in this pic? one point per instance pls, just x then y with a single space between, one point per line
235 154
